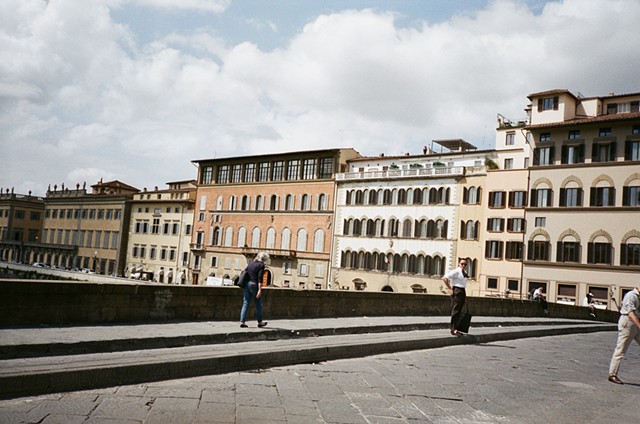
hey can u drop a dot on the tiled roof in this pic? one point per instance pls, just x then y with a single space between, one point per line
589 120
551 93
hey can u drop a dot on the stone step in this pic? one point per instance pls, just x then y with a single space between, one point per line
50 374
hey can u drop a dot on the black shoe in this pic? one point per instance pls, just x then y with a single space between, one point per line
615 379
262 323
243 325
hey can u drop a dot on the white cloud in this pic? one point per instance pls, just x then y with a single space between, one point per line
81 100
212 6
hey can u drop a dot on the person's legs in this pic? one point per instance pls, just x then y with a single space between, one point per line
457 302
626 333
246 299
259 309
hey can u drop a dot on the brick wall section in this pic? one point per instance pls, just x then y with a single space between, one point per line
29 302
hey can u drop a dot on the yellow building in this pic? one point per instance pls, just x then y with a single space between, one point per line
21 218
86 230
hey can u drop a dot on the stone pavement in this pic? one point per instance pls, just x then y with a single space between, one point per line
555 379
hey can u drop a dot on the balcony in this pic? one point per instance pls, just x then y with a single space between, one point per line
274 253
434 172
197 247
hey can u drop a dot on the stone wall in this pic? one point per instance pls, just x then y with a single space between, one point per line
31 302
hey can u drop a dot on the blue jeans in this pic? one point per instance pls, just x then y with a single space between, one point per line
250 292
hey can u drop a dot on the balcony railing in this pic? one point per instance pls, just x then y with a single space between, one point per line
274 253
436 171
197 246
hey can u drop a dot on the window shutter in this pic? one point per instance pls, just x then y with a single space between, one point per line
623 254
476 230
627 149
487 249
555 103
592 196
500 249
539 105
563 199
463 227
534 197
612 196
559 252
479 196
552 155
465 195
590 253
579 197
594 152
625 196
612 151
564 152
530 250
501 224
581 153
536 156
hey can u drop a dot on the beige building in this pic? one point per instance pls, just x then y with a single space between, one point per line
21 218
583 219
403 221
278 203
502 221
86 230
160 233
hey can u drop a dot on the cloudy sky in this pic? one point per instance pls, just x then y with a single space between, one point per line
135 90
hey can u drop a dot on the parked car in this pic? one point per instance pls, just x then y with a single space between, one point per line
87 271
39 265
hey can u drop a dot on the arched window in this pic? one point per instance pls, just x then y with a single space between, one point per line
406 228
301 246
285 243
245 203
215 236
259 203
386 200
271 238
438 266
431 229
393 228
417 196
232 203
219 203
318 241
433 196
289 203
402 197
228 236
273 203
255 237
242 237
322 202
379 227
305 203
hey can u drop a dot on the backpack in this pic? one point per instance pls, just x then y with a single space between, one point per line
243 279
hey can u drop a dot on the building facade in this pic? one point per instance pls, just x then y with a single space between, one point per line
160 233
86 230
399 219
278 203
583 232
21 219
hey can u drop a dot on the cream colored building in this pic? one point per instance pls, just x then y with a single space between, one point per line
583 218
21 218
160 233
398 219
278 203
502 222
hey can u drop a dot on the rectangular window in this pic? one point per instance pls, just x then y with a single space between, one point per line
571 197
568 251
513 250
632 150
539 250
630 254
574 135
153 252
572 154
493 249
548 103
249 172
543 156
605 132
236 173
100 213
278 170
515 225
495 224
542 198
286 268
206 175
517 199
599 253
223 174
309 169
545 137
92 214
172 254
263 171
497 199
105 241
513 285
175 228
492 283
203 203
89 238
326 167
293 170
508 163
603 152
631 196
635 129
510 138
541 222
114 239
155 227
303 270
98 237
602 196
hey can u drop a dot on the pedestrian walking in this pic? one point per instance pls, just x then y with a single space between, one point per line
456 282
628 330
253 289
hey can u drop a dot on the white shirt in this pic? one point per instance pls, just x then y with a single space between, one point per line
456 278
630 302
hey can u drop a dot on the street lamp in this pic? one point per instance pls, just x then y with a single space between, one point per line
95 261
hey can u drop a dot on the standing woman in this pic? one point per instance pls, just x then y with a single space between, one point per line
253 290
456 282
